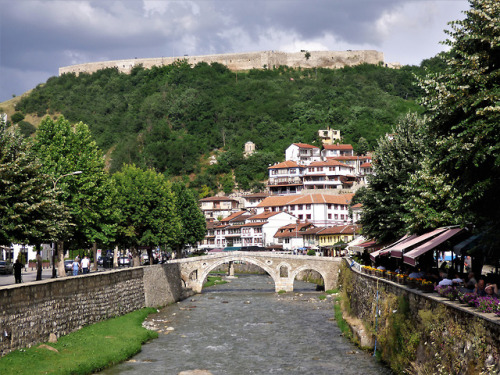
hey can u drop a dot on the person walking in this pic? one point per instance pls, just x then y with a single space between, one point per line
39 265
76 267
18 267
85 265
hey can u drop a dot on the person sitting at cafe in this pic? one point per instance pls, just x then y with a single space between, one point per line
471 282
491 290
447 280
417 274
457 279
479 289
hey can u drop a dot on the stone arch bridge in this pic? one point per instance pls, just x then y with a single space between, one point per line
283 268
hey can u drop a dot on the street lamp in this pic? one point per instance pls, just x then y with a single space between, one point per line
54 275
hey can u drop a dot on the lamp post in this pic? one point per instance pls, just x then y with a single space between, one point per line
54 250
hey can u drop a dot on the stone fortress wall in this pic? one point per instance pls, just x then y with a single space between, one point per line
245 61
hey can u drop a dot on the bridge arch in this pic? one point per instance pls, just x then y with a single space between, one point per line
208 268
306 268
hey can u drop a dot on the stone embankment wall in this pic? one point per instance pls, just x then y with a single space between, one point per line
244 61
419 333
30 312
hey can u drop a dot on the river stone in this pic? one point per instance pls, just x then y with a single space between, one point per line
170 329
52 338
195 372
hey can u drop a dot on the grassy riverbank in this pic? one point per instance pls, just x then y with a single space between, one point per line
213 280
90 349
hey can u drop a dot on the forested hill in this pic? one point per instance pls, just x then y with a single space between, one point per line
171 118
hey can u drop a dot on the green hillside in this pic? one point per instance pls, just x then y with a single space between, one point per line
172 118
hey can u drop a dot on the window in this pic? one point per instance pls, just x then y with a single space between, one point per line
341 217
301 217
308 206
336 216
308 216
287 240
300 207
292 171
329 206
292 207
329 216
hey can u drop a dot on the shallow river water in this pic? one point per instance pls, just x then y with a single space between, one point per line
244 327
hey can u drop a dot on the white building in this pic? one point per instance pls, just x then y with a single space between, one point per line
302 153
319 209
285 178
218 207
326 175
336 150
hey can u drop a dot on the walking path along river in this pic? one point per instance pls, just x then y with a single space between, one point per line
244 327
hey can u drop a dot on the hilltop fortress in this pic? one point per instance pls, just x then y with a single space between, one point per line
246 61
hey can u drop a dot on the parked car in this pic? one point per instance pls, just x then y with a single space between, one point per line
124 261
107 262
6 267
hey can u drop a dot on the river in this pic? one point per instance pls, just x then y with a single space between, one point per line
244 327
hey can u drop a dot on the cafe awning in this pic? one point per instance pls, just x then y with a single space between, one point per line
397 251
387 250
411 256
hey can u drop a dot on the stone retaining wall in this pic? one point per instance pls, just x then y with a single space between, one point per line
421 332
30 312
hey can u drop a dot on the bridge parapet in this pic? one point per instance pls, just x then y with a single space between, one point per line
283 268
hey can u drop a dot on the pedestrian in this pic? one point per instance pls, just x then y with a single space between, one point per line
39 265
75 266
18 267
85 265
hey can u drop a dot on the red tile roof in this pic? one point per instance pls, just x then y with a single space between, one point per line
305 145
328 163
337 147
339 229
285 164
232 216
277 201
366 165
265 215
216 199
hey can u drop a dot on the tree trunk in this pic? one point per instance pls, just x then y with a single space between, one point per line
115 257
178 252
38 264
150 256
61 271
94 254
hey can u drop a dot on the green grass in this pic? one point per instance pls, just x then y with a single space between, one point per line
321 297
88 350
341 323
281 291
332 291
213 280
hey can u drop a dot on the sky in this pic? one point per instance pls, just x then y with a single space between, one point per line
39 36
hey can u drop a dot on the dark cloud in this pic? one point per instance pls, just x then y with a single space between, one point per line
39 36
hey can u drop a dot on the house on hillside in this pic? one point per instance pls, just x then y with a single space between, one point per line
336 150
330 237
302 153
290 236
329 136
243 230
326 175
285 178
218 207
318 209
252 200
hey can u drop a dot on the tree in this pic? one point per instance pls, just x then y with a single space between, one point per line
29 209
463 104
363 146
193 223
64 149
395 159
147 210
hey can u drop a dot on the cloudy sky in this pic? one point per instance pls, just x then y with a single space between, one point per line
39 36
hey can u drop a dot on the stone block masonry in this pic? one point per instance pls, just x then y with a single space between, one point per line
30 312
243 61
